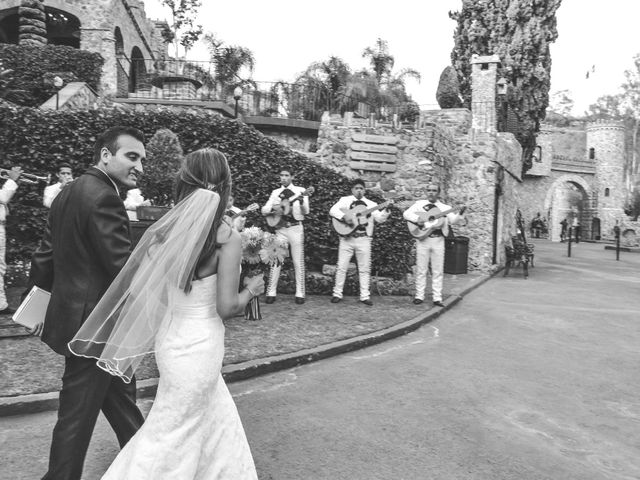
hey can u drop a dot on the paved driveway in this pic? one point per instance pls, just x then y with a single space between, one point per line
523 379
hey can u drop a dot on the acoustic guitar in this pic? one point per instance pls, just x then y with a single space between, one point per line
250 208
356 216
276 217
433 220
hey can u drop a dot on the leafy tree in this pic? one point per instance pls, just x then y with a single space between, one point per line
182 30
32 29
520 32
229 61
624 106
561 103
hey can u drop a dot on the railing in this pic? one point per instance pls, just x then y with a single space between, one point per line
195 80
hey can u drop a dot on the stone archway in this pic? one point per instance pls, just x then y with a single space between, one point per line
122 74
569 196
137 71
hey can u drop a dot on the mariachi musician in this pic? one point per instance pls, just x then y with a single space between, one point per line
358 241
287 206
6 193
433 217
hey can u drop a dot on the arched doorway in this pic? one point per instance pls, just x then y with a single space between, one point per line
9 21
63 28
569 197
137 71
122 69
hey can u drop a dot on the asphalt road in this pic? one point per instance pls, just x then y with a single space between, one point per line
523 379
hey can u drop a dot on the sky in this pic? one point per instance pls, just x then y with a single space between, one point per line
286 36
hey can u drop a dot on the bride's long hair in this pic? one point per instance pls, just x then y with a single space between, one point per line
205 168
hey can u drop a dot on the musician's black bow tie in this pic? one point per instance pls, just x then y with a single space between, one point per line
429 206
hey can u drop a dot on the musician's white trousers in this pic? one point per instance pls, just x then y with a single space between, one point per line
430 249
3 267
361 247
295 236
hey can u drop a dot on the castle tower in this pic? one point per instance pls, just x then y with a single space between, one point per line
606 147
484 72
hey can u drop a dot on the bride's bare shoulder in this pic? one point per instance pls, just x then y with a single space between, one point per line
227 235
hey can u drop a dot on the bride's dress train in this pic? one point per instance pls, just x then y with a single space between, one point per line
193 430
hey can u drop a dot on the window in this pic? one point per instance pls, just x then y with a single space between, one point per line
606 192
592 153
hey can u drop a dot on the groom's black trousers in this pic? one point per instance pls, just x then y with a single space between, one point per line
87 389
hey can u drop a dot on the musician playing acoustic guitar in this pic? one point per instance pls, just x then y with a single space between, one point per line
431 216
288 205
358 242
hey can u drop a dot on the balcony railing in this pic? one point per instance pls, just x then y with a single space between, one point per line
187 80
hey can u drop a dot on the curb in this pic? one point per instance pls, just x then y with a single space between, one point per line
40 402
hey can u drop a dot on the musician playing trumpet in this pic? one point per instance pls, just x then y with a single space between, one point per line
288 204
65 175
6 193
430 247
358 242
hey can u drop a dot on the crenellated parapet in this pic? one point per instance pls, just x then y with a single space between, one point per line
605 125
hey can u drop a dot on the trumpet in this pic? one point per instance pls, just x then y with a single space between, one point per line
26 177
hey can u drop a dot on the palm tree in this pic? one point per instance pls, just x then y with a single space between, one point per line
33 27
380 58
229 61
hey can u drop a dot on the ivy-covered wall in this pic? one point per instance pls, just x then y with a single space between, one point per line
35 67
38 140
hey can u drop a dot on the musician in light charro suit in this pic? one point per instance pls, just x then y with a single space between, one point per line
431 248
358 242
290 227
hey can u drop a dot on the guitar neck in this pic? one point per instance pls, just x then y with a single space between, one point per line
377 207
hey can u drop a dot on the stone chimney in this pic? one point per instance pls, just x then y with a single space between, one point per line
484 71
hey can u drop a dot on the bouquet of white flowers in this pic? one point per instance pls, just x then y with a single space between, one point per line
260 250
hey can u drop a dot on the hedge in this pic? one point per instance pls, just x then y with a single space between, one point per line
38 140
35 66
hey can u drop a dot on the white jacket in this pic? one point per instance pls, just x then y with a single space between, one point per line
300 206
411 214
344 204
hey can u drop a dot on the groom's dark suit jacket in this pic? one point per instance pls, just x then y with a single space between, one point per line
86 244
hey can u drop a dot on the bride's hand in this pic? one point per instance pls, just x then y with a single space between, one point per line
255 284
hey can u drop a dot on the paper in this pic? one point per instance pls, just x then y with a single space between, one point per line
33 309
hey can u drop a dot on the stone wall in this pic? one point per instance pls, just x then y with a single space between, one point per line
441 150
300 142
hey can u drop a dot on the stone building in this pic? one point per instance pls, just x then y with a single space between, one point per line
117 29
578 172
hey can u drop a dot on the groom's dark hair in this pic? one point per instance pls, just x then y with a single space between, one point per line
109 140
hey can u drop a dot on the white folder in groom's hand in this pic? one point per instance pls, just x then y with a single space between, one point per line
33 309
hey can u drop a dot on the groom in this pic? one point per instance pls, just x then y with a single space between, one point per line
85 245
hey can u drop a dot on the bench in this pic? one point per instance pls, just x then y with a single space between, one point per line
519 252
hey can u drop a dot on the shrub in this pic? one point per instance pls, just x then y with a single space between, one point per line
34 66
38 140
164 155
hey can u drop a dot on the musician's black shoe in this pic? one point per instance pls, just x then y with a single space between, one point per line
438 303
7 311
336 299
417 301
367 302
299 300
270 299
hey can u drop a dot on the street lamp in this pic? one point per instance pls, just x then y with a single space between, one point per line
237 93
58 83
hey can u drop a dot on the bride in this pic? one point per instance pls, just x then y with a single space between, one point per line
171 298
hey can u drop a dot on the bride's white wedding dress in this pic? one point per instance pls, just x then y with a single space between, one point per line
193 430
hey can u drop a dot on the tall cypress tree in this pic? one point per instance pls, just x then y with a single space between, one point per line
520 32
